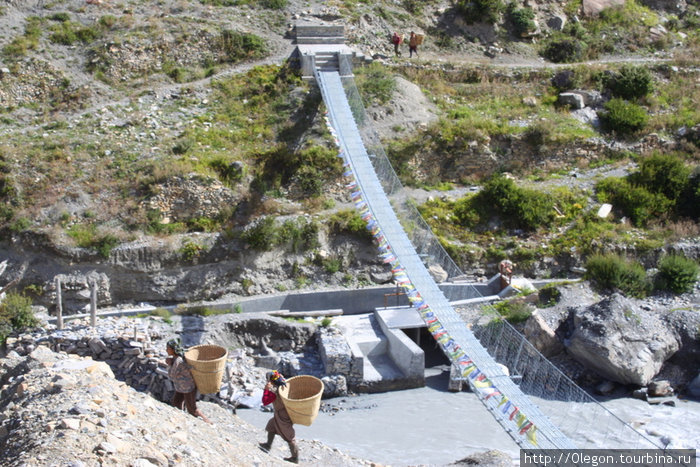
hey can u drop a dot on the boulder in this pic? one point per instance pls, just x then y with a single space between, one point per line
594 7
572 99
438 273
557 22
541 335
660 389
694 387
620 341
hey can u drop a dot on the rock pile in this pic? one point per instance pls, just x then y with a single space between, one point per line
58 409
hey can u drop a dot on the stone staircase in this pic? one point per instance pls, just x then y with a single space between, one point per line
322 47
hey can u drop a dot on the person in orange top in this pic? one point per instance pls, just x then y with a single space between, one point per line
280 423
413 44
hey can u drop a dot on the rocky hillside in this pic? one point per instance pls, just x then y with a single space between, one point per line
58 409
169 153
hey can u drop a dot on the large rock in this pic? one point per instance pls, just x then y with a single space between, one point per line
620 341
407 110
541 335
694 387
594 7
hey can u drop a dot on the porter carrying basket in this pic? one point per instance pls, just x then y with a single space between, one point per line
302 398
207 364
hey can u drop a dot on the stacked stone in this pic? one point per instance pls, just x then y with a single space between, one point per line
342 368
127 348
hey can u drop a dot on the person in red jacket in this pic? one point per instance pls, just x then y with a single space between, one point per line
280 423
396 39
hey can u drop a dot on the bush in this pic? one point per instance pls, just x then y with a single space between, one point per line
634 201
60 17
514 311
229 172
677 274
548 296
238 46
348 221
262 236
631 82
563 49
376 84
623 117
310 181
662 173
612 271
15 314
519 207
522 19
689 203
487 11
298 235
273 4
566 80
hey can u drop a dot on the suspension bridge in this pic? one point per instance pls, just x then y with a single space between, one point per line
375 191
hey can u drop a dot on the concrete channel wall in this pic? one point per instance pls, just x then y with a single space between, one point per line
408 356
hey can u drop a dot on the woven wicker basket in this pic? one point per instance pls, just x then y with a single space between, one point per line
302 398
207 364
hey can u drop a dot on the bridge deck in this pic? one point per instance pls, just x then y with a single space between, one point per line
512 408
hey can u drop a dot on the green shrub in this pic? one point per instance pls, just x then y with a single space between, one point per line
348 221
237 46
623 117
325 322
666 174
636 202
273 4
298 234
15 314
677 274
28 41
689 203
331 265
107 21
229 172
522 19
68 33
487 11
514 311
612 271
105 244
548 296
631 82
376 84
562 49
262 236
310 181
519 207
190 250
61 17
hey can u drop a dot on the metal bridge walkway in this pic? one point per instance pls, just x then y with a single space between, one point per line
522 419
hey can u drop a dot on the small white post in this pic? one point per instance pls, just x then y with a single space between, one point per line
59 304
93 303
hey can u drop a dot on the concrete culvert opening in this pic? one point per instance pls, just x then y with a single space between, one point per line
436 361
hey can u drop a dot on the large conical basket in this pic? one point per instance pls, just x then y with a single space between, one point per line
302 398
207 364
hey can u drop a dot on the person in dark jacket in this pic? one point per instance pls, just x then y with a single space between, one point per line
413 44
280 423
